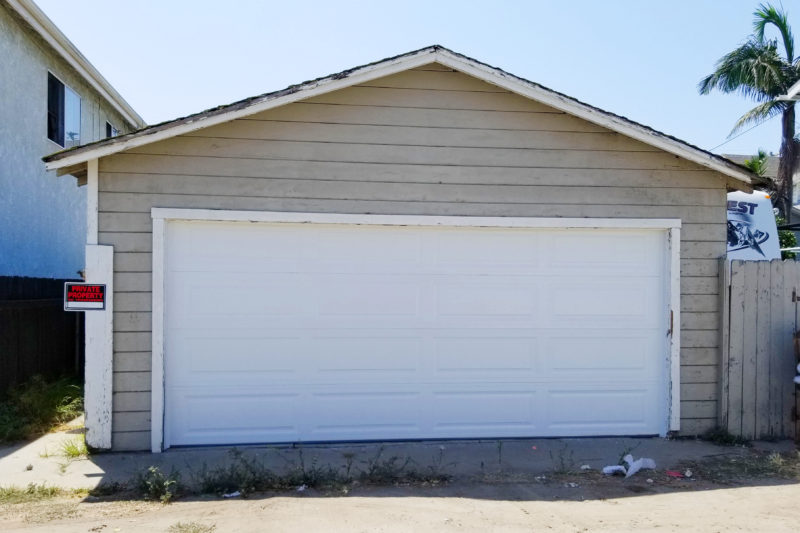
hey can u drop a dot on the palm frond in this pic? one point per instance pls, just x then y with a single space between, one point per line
758 163
754 70
759 114
765 15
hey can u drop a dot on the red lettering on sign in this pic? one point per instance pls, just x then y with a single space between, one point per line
85 293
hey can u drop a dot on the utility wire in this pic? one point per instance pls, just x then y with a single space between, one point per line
745 131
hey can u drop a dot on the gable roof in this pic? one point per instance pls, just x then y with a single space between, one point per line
738 177
47 30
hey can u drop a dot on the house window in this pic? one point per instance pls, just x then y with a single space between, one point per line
111 131
63 113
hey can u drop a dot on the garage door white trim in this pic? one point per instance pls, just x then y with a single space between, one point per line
162 216
160 213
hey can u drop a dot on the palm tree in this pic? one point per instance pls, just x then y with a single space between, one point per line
757 71
758 163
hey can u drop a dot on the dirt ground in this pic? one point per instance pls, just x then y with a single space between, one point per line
715 499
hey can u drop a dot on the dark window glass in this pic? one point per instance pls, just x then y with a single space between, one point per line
55 110
63 113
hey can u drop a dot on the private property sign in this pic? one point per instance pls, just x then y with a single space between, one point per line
84 297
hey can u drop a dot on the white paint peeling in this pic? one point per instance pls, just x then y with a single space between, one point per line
157 368
99 335
674 270
223 215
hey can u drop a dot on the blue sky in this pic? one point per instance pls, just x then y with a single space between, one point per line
641 59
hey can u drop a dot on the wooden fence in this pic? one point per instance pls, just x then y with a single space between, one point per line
36 335
759 320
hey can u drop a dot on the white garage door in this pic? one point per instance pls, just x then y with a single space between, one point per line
320 332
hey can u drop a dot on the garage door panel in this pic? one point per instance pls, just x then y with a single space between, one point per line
486 299
239 417
341 247
339 356
593 303
588 357
467 357
189 250
302 332
461 251
627 409
604 252
351 296
233 354
369 412
196 295
485 413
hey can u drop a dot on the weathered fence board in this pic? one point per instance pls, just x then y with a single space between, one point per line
763 349
724 343
36 335
759 319
777 332
788 363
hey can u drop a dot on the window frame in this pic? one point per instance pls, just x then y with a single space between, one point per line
60 116
111 130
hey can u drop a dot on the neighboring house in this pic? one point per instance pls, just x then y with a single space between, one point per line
422 247
52 98
793 93
771 171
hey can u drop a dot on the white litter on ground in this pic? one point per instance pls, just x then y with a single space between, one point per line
638 464
633 466
235 494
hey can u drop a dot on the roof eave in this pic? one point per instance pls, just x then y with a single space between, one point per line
35 17
269 101
737 177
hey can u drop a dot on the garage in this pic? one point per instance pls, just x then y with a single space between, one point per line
424 247
287 332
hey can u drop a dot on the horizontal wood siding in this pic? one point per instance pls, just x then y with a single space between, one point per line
424 142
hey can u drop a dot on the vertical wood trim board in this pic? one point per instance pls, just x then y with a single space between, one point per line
157 369
92 197
674 308
99 339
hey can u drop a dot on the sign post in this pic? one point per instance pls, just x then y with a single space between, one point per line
84 297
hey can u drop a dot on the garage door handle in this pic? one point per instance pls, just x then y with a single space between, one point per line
671 317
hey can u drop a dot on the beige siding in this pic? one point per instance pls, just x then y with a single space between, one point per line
424 142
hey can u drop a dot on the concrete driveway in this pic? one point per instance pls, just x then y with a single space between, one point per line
43 460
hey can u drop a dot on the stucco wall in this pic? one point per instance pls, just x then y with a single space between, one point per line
425 142
42 217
